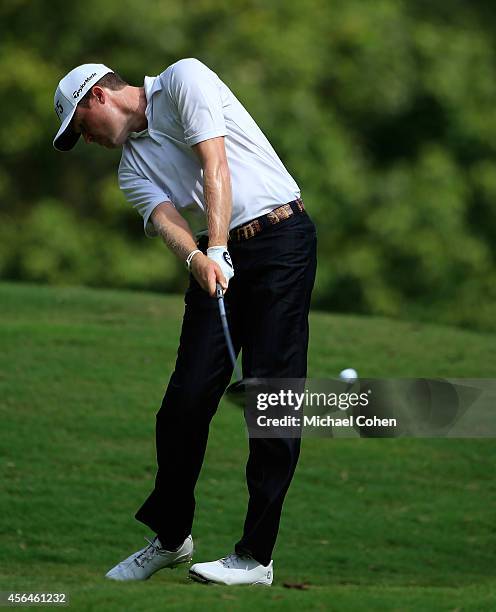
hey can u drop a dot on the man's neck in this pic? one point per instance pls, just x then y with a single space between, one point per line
136 107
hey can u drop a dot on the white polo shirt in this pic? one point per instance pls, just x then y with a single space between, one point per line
187 104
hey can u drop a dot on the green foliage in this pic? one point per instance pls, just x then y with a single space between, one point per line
383 112
53 245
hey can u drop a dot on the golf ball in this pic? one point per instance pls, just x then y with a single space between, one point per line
349 375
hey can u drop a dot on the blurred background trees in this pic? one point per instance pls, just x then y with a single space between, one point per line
384 113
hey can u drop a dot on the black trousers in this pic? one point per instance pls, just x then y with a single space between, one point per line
267 305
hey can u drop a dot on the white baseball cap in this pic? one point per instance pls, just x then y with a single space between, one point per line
67 95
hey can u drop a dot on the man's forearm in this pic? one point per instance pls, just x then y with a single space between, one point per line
218 203
176 234
216 188
174 230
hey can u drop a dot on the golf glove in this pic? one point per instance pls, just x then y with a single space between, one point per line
221 256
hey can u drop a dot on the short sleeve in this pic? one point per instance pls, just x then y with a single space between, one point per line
196 92
144 196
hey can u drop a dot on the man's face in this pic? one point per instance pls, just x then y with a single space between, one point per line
101 122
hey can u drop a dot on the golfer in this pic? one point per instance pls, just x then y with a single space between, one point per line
191 150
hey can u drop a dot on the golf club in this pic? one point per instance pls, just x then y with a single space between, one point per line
237 390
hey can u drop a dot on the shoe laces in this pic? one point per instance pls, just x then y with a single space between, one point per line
232 559
148 553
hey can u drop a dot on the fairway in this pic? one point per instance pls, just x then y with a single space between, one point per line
368 524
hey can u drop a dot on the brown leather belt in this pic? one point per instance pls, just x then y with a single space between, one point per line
248 230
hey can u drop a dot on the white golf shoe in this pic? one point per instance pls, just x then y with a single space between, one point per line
142 564
231 570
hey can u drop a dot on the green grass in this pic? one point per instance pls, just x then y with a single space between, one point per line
368 524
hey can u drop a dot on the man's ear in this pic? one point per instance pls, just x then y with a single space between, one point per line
99 93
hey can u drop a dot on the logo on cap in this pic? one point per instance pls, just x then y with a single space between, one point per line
59 109
77 92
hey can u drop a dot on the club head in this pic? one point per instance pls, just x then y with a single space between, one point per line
238 391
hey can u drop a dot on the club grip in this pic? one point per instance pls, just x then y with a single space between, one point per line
219 293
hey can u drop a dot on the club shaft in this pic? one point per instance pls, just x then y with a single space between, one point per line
227 333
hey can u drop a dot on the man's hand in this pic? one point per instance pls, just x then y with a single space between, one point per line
208 273
221 256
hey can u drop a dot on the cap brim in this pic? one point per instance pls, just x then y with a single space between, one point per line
66 138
